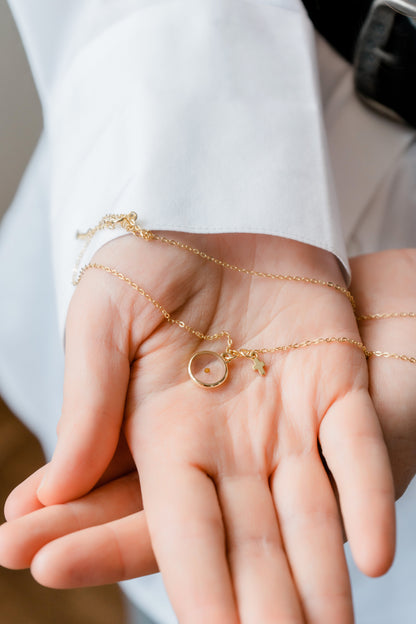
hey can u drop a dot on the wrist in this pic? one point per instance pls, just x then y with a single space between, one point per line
381 282
269 253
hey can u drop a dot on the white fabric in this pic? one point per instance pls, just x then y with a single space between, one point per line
200 115
137 98
373 161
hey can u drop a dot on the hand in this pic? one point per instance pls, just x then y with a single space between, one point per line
380 283
98 539
232 480
384 282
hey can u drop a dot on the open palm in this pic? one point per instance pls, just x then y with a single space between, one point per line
242 517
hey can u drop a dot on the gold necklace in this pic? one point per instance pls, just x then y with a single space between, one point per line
129 224
204 360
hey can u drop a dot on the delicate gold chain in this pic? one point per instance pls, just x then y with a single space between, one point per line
251 353
394 356
385 315
229 353
389 315
129 224
168 317
316 341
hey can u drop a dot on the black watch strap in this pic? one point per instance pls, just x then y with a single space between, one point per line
381 43
340 24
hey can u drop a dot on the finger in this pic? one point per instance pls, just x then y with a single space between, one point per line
108 553
312 535
262 580
121 463
353 447
21 539
97 371
23 499
188 540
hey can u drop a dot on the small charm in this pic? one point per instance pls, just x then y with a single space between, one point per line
208 369
258 366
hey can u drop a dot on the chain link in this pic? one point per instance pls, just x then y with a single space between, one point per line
385 315
395 356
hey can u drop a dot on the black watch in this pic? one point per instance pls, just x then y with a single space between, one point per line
379 38
385 59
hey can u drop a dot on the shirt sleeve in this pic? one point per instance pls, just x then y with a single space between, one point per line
199 115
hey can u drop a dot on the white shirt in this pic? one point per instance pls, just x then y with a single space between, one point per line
200 115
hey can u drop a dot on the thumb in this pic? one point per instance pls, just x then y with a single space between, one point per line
97 370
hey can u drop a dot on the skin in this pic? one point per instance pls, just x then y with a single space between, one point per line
231 479
385 282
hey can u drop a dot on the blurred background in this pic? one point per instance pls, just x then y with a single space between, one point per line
20 113
22 601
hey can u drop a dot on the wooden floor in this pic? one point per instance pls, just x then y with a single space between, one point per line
22 600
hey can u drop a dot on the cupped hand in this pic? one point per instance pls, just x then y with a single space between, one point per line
385 282
241 514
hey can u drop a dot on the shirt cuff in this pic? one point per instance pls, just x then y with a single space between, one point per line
199 115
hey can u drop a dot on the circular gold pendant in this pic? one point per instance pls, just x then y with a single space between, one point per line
208 369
